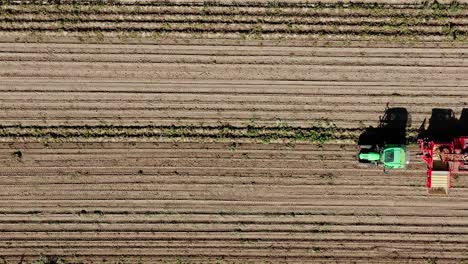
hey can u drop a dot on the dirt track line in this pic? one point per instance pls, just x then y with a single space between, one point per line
211 66
168 98
239 49
314 18
36 209
199 118
234 53
220 83
239 219
237 60
205 164
246 255
213 167
230 40
176 146
289 189
281 73
173 147
234 89
170 175
240 260
99 180
234 100
229 228
192 204
448 246
260 236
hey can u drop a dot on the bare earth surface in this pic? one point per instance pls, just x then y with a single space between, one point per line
226 82
209 201
188 201
103 186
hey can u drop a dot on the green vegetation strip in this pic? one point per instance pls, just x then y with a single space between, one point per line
259 3
273 7
221 132
317 133
430 19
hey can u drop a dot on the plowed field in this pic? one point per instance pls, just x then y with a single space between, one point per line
179 84
258 202
195 132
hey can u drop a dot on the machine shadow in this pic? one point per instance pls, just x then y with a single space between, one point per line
444 126
391 131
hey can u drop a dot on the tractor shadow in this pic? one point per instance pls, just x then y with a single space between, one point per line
444 126
390 130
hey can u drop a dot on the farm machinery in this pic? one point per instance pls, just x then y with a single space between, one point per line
443 144
444 148
385 145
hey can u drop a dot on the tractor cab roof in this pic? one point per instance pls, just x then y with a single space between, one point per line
395 157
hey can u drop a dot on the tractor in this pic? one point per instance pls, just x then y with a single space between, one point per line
385 145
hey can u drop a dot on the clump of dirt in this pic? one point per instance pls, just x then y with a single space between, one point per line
18 154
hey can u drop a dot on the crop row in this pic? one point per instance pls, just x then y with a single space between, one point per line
251 3
254 19
450 22
319 133
256 28
231 11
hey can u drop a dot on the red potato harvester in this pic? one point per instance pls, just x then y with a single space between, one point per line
444 148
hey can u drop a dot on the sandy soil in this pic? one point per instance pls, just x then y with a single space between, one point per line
183 201
153 64
127 84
